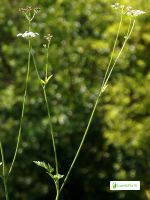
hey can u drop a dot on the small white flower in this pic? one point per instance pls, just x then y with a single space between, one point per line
27 34
115 6
20 34
135 13
128 10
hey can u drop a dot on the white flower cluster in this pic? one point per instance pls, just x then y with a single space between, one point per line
115 6
135 13
128 10
48 37
27 34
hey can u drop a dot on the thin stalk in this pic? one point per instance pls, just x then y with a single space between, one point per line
83 138
24 100
106 78
54 146
47 57
23 108
110 61
57 195
36 69
57 191
4 173
50 122
120 52
49 115
129 27
51 129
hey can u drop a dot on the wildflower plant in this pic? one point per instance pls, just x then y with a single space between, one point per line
53 171
29 14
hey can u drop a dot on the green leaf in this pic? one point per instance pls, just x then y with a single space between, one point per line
47 79
41 164
48 167
43 82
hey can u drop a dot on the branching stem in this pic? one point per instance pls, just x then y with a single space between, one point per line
104 83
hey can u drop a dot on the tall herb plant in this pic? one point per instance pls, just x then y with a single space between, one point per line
53 172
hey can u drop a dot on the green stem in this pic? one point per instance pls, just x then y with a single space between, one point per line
110 61
4 173
50 122
120 52
129 27
47 57
23 108
49 115
95 106
51 129
57 191
83 138
57 195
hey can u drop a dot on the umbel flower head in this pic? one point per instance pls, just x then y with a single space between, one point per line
29 9
27 34
127 10
29 12
48 37
135 13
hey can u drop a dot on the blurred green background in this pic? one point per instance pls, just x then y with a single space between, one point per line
118 142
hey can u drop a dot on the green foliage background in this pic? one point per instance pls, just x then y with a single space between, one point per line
117 146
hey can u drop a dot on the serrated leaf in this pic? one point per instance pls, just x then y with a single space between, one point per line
58 176
41 164
48 167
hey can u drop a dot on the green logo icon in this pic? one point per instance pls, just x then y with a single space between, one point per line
114 185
